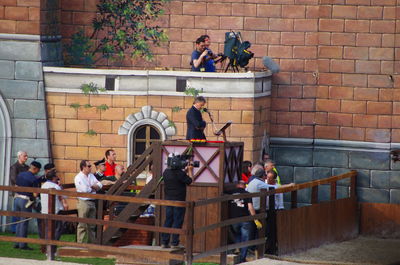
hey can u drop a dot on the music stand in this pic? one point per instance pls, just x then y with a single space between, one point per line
222 130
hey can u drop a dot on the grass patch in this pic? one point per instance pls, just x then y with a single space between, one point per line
7 250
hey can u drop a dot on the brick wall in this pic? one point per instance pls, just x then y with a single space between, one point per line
68 126
29 17
339 61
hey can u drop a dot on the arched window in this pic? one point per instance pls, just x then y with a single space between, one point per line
142 138
144 128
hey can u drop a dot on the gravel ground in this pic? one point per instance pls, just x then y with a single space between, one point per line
362 250
12 261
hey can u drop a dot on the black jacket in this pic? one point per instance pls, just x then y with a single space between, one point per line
195 124
175 182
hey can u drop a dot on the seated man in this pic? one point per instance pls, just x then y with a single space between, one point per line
201 60
22 200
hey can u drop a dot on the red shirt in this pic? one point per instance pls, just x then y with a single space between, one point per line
245 177
110 169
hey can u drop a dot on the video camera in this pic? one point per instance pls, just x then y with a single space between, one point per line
181 161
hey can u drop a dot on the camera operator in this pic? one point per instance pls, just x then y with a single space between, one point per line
175 182
202 60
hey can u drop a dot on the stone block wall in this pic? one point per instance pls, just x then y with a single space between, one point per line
69 126
301 161
21 85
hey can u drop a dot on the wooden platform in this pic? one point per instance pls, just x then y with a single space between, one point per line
142 255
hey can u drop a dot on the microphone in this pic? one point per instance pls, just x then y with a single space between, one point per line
271 64
205 110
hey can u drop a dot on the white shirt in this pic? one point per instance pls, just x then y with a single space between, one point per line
278 198
44 198
84 183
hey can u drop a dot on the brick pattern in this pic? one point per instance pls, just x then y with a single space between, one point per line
337 58
30 17
68 126
341 83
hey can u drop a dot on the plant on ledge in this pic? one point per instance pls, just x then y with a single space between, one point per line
125 27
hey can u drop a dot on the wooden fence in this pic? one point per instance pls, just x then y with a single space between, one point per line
284 224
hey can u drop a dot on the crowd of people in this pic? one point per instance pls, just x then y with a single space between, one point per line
23 175
255 177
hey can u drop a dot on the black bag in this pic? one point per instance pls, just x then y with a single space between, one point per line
236 50
244 55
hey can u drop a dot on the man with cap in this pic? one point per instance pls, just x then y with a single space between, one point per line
22 200
49 167
100 169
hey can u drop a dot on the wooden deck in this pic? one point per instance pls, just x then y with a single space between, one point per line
141 255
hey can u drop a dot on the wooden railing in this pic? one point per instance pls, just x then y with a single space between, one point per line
188 231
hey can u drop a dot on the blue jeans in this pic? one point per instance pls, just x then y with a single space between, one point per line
22 228
14 219
174 217
242 234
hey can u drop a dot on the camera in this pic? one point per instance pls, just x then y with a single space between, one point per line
181 161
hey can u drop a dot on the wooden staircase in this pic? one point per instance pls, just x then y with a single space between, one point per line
131 211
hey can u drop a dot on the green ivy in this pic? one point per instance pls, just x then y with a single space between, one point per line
191 91
75 105
91 132
102 107
78 52
176 109
171 124
91 88
128 26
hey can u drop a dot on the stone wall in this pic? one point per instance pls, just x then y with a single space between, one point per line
303 160
69 126
21 84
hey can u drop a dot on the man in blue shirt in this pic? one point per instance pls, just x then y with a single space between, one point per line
22 200
202 60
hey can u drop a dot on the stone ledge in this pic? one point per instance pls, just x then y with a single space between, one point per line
132 82
333 144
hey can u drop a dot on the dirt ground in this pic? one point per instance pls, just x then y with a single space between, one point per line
362 250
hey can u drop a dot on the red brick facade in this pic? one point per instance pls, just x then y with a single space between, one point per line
339 62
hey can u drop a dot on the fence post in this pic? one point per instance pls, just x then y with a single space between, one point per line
100 216
271 224
224 233
189 232
50 226
294 199
314 195
353 185
333 191
262 232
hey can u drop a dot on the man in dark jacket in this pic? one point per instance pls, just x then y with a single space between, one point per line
194 119
22 199
175 182
15 169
